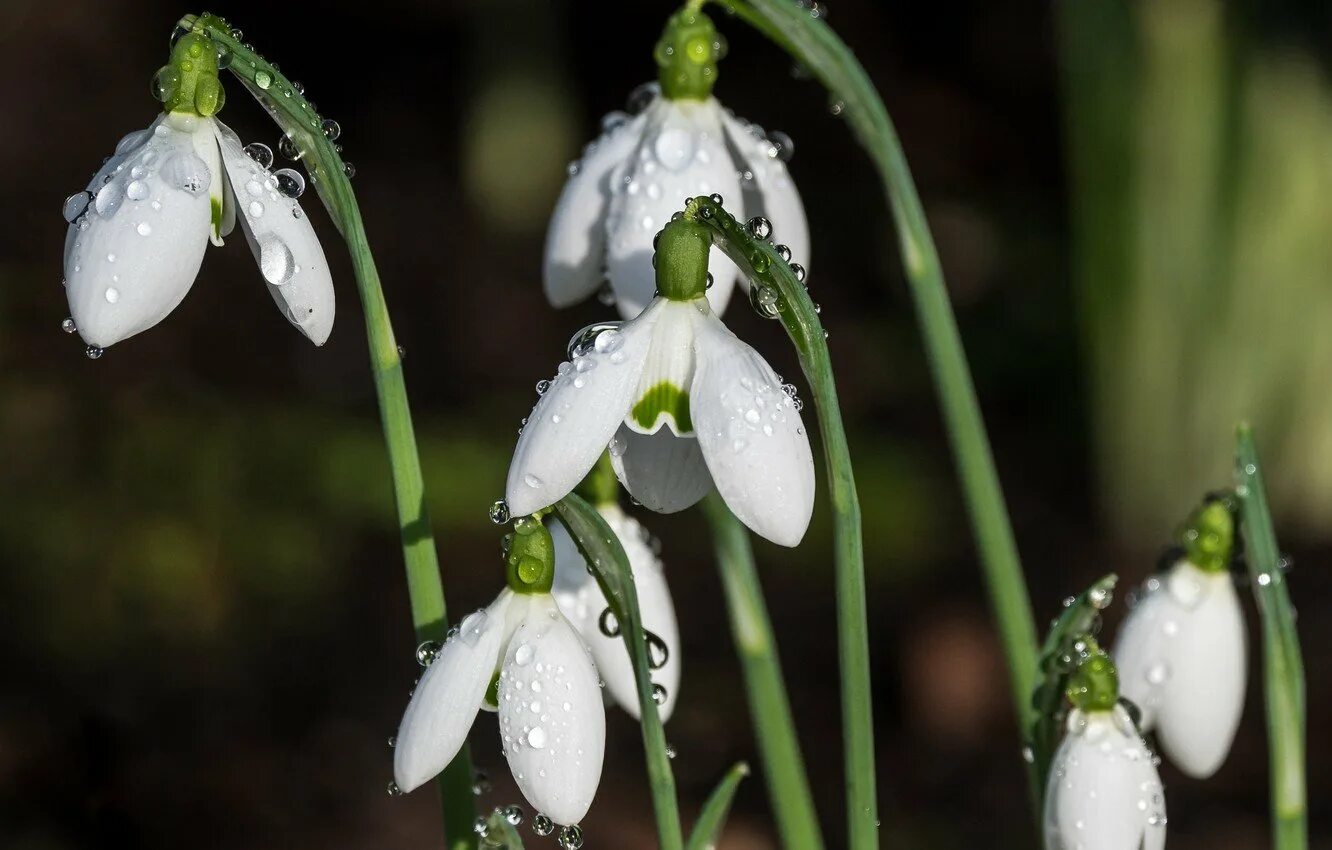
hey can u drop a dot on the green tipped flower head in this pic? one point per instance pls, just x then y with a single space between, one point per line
687 55
682 260
1209 535
188 83
1094 685
529 557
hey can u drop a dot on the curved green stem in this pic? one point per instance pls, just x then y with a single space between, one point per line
812 43
760 262
751 629
328 174
1283 666
610 567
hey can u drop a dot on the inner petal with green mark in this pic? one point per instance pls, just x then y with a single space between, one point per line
663 390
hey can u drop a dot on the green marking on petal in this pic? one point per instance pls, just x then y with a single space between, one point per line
217 217
665 398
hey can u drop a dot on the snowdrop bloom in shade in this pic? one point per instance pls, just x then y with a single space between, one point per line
581 600
683 405
1182 650
630 181
1103 791
523 654
137 234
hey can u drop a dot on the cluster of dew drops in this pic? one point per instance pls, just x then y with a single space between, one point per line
570 837
287 182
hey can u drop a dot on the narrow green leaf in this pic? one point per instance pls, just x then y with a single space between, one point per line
718 805
759 261
1283 666
812 43
769 705
610 567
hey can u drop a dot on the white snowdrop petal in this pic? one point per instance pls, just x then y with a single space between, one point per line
552 721
448 697
576 417
290 256
751 435
581 600
1182 655
682 154
132 256
575 255
1103 792
774 196
663 472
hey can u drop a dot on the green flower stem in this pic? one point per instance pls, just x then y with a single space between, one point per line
328 173
812 43
783 764
1283 667
760 262
610 566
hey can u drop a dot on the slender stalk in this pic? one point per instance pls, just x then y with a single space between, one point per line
761 263
1283 667
756 646
610 567
302 125
812 43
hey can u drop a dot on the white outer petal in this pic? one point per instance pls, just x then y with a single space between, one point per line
663 472
1183 651
682 154
1103 792
290 257
576 417
778 199
751 435
575 256
581 600
552 721
112 299
448 697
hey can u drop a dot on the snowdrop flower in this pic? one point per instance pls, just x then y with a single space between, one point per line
138 232
523 658
1103 791
683 405
1182 650
581 600
681 144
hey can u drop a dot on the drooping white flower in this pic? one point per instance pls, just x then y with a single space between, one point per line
138 232
683 405
1181 654
1103 791
551 718
638 173
581 600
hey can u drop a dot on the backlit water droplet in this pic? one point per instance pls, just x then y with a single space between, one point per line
260 153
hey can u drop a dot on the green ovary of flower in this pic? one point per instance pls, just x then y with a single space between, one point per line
664 399
529 558
687 55
1094 685
1209 536
188 83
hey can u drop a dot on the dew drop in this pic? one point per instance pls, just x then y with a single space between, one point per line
499 512
290 183
260 153
609 625
542 825
144 229
658 694
112 295
68 325
571 838
93 352
263 79
427 651
523 655
75 205
393 789
331 129
536 738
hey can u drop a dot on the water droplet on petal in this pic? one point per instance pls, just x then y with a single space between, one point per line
75 205
260 153
68 325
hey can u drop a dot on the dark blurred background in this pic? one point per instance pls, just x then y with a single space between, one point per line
204 633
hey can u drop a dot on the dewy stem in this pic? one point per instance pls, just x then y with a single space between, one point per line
813 44
1283 666
760 262
756 646
302 125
